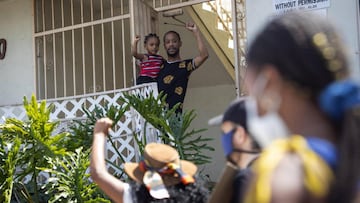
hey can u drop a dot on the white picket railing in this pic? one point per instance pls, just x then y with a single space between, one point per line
66 110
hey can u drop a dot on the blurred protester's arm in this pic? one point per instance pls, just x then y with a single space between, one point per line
112 186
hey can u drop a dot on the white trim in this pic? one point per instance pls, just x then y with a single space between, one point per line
179 5
43 15
81 13
113 55
92 48
113 45
73 61
36 53
101 9
54 49
93 58
44 47
103 56
87 24
112 8
83 46
64 62
132 36
37 65
153 85
83 60
123 53
122 7
73 46
45 68
63 47
62 14
91 11
102 45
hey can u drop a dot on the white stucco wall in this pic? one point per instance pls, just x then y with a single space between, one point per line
209 102
17 69
342 13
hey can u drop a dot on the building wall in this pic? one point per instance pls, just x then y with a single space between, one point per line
209 102
17 78
342 13
344 16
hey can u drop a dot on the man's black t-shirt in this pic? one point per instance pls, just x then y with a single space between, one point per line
173 80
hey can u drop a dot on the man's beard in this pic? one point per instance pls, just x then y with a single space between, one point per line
176 53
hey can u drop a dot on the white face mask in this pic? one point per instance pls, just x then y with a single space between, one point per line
268 127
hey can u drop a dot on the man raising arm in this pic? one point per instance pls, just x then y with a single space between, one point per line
203 53
174 75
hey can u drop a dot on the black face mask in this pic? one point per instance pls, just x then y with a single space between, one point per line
228 158
226 140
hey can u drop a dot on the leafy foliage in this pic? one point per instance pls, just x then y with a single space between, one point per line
82 131
30 147
70 180
173 127
36 139
189 144
8 169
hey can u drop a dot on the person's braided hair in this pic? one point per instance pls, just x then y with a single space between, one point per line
151 35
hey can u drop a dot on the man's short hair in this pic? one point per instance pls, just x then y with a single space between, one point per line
173 32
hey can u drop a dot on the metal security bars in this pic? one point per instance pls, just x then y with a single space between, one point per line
162 5
82 46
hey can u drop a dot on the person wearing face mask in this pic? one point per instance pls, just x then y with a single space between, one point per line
240 151
304 112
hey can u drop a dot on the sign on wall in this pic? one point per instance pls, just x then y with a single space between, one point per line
283 6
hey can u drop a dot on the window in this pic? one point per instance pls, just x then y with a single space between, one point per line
82 46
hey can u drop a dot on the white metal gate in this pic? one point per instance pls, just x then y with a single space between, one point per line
82 46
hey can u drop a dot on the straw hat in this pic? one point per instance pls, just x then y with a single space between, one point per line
157 156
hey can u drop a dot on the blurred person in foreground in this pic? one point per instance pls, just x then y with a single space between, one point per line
240 151
159 177
305 113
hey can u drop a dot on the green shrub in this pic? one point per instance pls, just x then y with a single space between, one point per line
30 147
